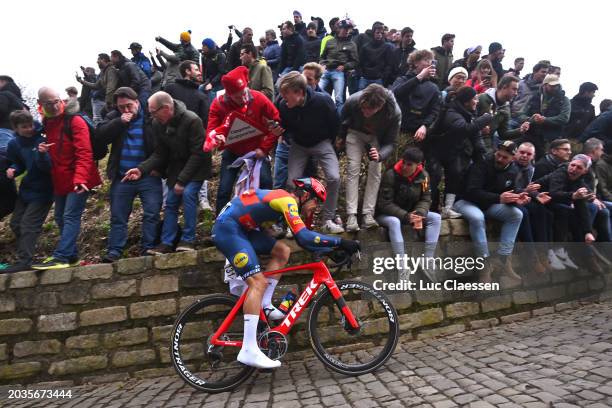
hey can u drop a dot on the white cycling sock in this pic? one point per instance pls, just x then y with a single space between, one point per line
249 341
266 301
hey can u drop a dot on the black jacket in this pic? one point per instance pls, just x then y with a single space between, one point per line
292 53
113 131
376 60
311 123
214 66
312 49
400 60
178 148
9 102
583 113
131 75
485 183
233 55
419 101
561 189
187 92
546 165
454 128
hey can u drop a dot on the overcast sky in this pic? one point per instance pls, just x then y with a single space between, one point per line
44 43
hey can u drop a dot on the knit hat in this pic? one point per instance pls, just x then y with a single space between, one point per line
584 159
494 47
472 49
457 70
297 13
210 43
508 146
236 80
186 36
465 94
312 25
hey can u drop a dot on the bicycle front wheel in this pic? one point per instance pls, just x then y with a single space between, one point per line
349 351
203 366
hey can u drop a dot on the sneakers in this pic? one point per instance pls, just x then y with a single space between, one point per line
289 234
554 262
338 220
564 257
448 212
351 223
160 250
110 258
368 221
18 267
184 246
330 227
74 262
205 205
278 231
256 358
51 263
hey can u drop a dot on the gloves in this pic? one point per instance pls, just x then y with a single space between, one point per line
350 246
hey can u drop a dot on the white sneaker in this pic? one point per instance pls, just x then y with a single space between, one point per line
272 313
330 227
289 234
564 257
256 359
338 220
369 221
555 263
205 205
351 223
449 213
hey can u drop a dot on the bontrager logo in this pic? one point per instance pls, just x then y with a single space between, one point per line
299 305
177 357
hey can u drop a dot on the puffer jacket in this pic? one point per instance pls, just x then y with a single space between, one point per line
339 51
398 196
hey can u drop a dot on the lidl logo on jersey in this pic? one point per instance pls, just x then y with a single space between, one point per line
240 260
317 239
293 211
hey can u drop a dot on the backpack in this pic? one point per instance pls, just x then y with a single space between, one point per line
99 149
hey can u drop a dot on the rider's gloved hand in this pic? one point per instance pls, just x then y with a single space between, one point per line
350 246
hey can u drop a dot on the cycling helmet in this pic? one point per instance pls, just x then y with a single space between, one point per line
312 186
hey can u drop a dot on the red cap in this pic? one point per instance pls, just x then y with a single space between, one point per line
236 80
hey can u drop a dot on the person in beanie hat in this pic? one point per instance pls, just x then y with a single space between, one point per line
299 25
257 108
185 37
183 51
213 67
456 126
456 79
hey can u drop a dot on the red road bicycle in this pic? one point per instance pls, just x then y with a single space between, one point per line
353 329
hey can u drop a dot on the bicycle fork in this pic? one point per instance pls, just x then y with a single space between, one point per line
350 324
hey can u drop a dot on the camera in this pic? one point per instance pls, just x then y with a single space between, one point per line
230 27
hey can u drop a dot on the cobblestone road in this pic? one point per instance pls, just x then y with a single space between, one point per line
558 360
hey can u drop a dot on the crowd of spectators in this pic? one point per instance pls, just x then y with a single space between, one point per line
440 138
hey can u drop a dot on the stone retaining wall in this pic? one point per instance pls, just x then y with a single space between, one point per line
105 322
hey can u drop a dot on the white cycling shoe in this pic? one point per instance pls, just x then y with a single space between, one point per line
255 358
272 313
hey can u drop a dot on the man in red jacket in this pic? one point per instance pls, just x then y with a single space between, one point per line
73 172
253 106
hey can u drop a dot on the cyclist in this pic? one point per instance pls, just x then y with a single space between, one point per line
238 236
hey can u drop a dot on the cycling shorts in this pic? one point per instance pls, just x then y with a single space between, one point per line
241 247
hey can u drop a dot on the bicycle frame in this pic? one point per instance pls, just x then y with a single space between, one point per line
321 276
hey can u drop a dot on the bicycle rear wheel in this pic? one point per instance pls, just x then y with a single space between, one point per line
343 349
203 366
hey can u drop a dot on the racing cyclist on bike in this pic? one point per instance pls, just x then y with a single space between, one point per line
238 236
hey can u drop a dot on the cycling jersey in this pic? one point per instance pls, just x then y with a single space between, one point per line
237 235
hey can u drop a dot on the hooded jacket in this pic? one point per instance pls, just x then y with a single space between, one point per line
385 123
107 83
600 128
313 122
339 51
187 92
555 108
143 63
214 67
312 47
546 165
272 54
376 60
71 157
419 101
178 149
260 78
292 53
9 102
182 51
398 196
129 74
400 59
527 88
23 156
456 126
582 114
487 102
485 182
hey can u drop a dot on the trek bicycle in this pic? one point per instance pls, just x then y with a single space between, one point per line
353 329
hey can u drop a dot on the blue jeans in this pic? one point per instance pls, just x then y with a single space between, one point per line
337 80
190 213
509 215
600 220
281 170
122 197
68 211
287 70
229 175
363 82
433 222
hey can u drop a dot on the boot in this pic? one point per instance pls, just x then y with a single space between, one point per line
508 271
485 275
